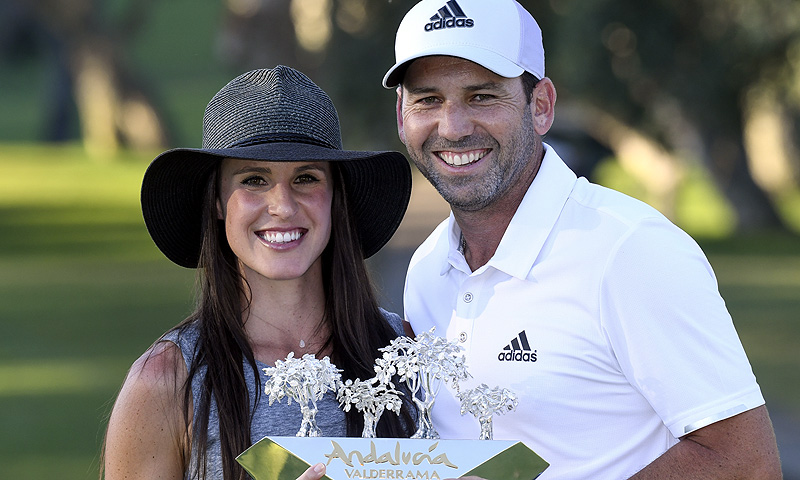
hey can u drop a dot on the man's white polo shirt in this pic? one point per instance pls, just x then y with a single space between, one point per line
601 315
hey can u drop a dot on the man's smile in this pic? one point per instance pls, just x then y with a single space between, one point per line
457 159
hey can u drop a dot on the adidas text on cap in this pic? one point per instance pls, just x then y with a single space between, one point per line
499 35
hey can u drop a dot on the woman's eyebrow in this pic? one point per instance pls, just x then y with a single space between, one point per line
311 166
252 169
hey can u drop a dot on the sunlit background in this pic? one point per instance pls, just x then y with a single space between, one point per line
692 106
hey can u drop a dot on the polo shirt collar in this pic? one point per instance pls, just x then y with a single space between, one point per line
529 228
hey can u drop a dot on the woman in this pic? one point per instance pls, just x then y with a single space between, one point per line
278 219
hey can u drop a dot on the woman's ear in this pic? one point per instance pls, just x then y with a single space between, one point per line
544 104
220 211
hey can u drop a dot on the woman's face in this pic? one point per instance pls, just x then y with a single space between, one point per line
277 215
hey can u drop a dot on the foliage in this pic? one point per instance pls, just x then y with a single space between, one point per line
425 361
300 379
370 397
684 74
482 402
77 309
304 380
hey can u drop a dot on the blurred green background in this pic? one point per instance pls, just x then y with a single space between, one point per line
691 106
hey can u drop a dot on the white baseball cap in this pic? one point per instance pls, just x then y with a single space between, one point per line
499 35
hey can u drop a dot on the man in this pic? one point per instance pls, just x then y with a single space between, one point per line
601 315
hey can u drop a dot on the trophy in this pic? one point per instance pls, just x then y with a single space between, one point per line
423 364
304 380
371 397
482 402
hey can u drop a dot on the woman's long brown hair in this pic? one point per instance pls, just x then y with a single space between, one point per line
358 329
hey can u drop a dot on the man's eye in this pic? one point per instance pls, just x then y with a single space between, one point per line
481 97
428 100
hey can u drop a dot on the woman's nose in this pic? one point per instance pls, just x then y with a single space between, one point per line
281 202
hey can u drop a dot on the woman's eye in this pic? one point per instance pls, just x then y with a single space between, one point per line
254 180
306 178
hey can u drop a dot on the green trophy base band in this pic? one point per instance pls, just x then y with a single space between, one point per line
515 463
270 461
494 460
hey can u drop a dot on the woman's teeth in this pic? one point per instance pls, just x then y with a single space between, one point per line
280 237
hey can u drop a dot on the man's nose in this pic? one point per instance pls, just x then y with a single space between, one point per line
455 122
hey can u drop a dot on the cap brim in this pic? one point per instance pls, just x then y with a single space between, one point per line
486 58
377 184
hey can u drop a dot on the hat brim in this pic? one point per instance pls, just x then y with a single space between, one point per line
486 58
377 185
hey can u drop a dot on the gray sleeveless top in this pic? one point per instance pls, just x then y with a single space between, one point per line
278 419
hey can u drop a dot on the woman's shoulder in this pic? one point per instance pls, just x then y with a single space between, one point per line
394 320
160 367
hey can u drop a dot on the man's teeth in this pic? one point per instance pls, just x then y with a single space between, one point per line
462 159
281 237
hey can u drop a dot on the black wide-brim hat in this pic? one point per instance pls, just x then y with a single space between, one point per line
276 115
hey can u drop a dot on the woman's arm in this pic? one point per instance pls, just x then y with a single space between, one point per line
146 437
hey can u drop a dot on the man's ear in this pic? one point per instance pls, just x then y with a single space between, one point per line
543 105
399 111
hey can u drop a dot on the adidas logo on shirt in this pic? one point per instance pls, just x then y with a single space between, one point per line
518 350
449 16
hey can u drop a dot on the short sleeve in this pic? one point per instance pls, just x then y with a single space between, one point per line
671 331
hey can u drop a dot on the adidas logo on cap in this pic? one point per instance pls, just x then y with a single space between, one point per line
518 350
449 16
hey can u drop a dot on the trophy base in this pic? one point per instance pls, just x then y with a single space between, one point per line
286 458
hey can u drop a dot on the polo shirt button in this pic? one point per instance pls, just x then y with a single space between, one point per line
467 297
462 337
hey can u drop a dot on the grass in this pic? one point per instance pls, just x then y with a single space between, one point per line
762 291
83 292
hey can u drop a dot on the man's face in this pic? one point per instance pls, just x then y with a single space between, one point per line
468 130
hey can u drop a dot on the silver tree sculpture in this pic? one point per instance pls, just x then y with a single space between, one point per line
483 402
425 362
304 380
370 397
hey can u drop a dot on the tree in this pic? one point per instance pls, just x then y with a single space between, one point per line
424 363
679 73
304 380
483 402
114 107
370 397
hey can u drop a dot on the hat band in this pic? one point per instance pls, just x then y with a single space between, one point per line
282 137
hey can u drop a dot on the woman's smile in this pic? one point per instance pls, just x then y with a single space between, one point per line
277 216
281 239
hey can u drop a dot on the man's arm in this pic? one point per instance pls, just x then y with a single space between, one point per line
742 446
